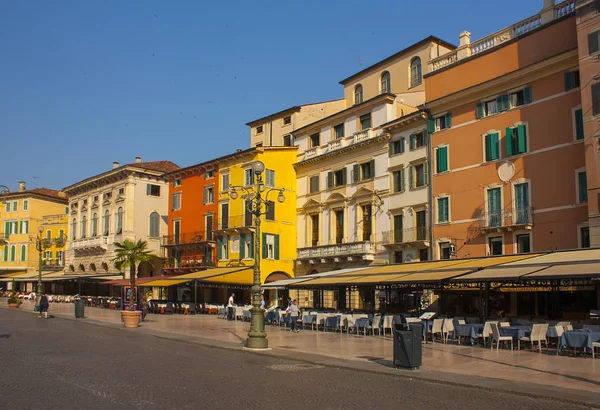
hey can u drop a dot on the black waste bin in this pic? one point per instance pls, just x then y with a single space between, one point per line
79 308
407 345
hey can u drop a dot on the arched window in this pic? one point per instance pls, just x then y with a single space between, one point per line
83 226
48 235
358 94
5 253
12 253
119 221
416 77
154 230
23 250
106 228
94 225
61 234
74 229
385 83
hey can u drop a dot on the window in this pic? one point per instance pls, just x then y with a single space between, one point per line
415 72
314 184
398 180
270 178
339 226
154 227
336 178
248 217
522 210
578 119
367 222
444 250
5 253
47 255
581 187
25 227
398 257
418 140
523 243
120 191
487 108
594 42
48 235
421 217
270 216
176 202
439 123
596 98
119 221
443 209
24 250
176 231
60 258
396 147
441 159
314 221
25 204
209 174
365 121
259 129
14 228
398 229
385 83
108 195
224 216
225 182
358 94
492 146
363 171
61 235
208 223
418 175
287 141
572 80
7 207
222 251
106 223
14 206
152 190
177 182
495 246
247 246
94 225
74 229
209 195
494 207
423 254
83 226
287 120
338 131
516 140
12 253
315 140
95 198
584 235
270 246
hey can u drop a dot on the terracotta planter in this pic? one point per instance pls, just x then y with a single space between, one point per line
131 319
13 305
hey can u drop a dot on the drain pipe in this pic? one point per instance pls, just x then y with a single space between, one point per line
426 114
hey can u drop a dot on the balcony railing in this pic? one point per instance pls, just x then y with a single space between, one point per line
507 219
183 262
561 9
344 249
339 143
187 238
237 221
405 236
53 264
101 242
362 135
55 219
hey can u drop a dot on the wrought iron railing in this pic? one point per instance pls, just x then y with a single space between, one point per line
407 235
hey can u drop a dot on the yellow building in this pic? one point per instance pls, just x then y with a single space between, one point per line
22 214
235 231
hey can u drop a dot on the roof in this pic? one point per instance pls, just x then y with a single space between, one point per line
206 163
399 53
41 192
295 108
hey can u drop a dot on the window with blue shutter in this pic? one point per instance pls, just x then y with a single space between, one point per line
441 160
443 210
579 124
479 110
5 253
448 120
23 252
522 203
402 142
521 139
527 96
6 230
594 42
509 141
582 182
492 147
572 80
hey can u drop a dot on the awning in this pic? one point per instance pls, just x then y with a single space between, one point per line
163 282
499 273
579 255
426 277
204 274
486 262
571 270
282 284
138 281
10 273
244 277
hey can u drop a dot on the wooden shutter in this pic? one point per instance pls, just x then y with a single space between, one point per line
402 180
355 173
569 80
270 210
494 146
506 102
500 103
20 227
391 148
5 253
425 173
593 45
148 189
276 247
596 98
23 253
329 179
242 245
264 245
413 141
6 229
442 159
521 139
372 168
479 111
344 176
509 141
488 147
579 124
449 120
251 253
411 171
219 247
527 94
431 125
402 142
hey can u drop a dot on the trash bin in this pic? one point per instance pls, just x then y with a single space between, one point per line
79 308
407 345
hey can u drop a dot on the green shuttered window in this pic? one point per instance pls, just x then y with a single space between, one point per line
441 160
579 124
492 147
443 210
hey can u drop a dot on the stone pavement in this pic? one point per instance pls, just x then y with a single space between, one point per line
526 372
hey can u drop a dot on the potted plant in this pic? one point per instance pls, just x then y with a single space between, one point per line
130 254
13 301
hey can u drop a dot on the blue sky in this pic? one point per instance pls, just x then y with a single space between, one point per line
84 84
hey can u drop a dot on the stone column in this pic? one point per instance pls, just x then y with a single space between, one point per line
547 12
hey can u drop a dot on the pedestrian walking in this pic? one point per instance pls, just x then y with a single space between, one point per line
144 307
44 305
294 311
231 307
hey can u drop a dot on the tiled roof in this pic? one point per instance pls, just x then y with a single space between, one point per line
41 191
161 166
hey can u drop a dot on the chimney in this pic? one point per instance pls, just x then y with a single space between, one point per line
115 165
463 51
464 38
22 186
238 150
138 160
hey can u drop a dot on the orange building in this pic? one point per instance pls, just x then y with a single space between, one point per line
193 209
508 165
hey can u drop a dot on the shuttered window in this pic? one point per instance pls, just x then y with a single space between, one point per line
579 124
443 210
492 147
441 159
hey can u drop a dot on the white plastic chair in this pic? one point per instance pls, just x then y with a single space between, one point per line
496 337
504 324
387 323
436 328
375 324
447 329
533 337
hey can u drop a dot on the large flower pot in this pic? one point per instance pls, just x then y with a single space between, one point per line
13 305
131 319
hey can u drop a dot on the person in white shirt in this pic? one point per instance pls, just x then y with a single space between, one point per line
294 311
231 308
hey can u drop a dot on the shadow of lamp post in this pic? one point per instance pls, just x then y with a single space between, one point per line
257 206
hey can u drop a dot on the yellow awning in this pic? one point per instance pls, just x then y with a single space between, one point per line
163 283
423 277
568 270
491 261
204 274
239 277
580 255
11 275
499 273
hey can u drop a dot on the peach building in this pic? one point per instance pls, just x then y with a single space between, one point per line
508 155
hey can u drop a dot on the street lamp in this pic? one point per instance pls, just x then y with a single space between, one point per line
257 337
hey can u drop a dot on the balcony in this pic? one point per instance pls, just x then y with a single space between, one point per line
507 220
339 252
53 264
187 238
91 244
361 136
56 219
339 143
241 223
417 236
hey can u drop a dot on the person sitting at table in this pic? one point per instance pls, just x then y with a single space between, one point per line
502 316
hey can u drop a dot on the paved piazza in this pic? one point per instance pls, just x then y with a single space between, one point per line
94 363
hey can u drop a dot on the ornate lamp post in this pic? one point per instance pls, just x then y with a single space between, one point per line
257 337
39 246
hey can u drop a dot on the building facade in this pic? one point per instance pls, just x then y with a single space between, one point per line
22 214
588 115
127 202
508 165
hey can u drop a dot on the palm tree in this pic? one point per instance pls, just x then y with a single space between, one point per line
131 254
